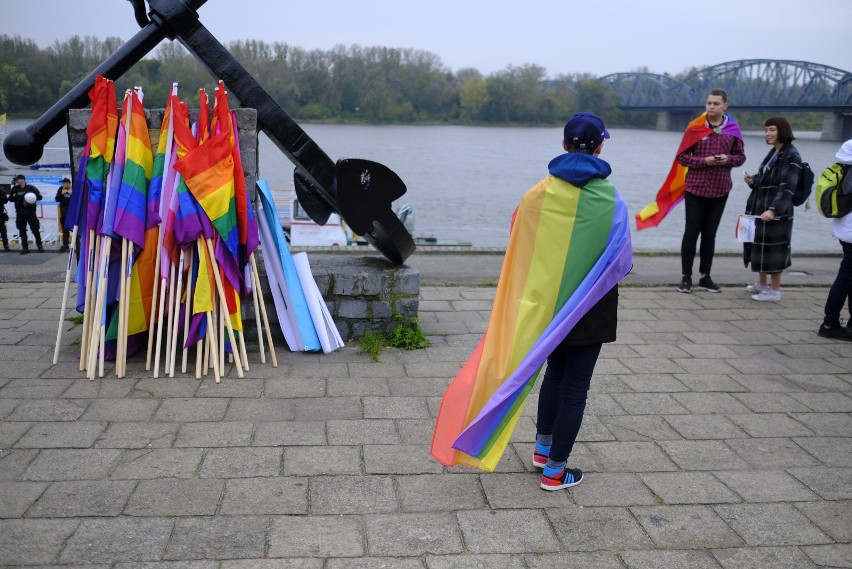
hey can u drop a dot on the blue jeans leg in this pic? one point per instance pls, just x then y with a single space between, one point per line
562 401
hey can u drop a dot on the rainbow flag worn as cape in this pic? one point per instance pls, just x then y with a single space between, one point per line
568 247
672 190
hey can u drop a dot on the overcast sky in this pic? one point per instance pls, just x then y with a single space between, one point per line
563 36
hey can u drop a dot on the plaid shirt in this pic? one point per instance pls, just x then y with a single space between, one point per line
711 181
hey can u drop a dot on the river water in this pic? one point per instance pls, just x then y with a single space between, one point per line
464 182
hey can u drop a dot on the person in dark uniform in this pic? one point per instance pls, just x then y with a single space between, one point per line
4 217
63 196
25 208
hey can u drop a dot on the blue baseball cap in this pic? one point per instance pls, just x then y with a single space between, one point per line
585 130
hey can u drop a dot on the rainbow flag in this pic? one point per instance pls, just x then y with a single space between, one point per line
568 247
130 214
672 191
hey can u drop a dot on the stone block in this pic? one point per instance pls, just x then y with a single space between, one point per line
508 531
352 495
266 496
175 497
308 536
219 537
84 498
128 539
413 534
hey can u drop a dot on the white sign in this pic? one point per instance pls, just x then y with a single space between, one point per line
745 228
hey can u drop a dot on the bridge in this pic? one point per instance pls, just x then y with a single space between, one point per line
751 84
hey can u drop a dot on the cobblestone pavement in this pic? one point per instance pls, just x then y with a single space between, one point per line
718 435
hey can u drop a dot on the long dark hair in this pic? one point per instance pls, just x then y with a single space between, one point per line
785 131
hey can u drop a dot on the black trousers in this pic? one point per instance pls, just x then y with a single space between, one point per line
841 290
31 219
702 218
3 236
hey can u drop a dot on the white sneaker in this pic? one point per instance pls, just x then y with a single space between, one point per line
767 296
757 288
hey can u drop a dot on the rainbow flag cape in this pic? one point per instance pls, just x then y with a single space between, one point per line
568 247
672 190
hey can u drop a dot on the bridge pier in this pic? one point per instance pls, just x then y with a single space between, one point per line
836 126
674 120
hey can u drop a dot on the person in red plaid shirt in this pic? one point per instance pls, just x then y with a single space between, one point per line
708 183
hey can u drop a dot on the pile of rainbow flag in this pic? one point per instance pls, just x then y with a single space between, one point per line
167 240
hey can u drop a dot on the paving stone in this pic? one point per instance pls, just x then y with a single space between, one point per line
259 496
765 486
164 388
210 564
638 428
412 534
219 537
10 433
758 524
604 489
299 563
31 542
574 560
220 434
667 559
290 433
187 410
138 435
440 492
260 410
175 497
830 483
375 563
826 424
467 561
241 462
704 427
327 408
834 555
631 457
395 408
13 463
128 539
293 387
121 410
352 495
310 460
157 463
504 491
763 557
824 402
17 497
363 431
85 498
250 386
701 382
831 451
309 536
61 435
415 431
702 455
512 531
770 402
359 386
768 454
72 464
723 403
84 389
688 488
47 410
44 389
597 529
684 527
834 518
649 383
770 425
399 459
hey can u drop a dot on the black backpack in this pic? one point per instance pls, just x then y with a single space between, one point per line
805 185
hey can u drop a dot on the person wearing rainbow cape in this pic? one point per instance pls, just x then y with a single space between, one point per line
701 176
556 301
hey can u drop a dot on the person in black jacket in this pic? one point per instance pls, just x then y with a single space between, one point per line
25 208
63 196
564 389
4 217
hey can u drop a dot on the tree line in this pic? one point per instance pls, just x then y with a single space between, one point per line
344 84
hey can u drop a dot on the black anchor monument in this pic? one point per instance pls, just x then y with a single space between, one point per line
361 191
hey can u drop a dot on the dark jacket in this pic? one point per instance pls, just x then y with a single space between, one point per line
599 324
774 184
64 200
22 208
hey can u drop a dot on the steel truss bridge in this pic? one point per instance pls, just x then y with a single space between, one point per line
751 84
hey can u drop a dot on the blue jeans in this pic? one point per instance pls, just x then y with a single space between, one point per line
562 401
841 290
702 218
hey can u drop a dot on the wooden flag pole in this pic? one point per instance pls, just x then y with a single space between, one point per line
170 363
159 323
263 312
214 357
65 295
171 320
122 306
94 244
154 298
97 324
258 327
224 302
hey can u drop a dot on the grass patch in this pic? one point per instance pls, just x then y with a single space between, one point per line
406 335
76 319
